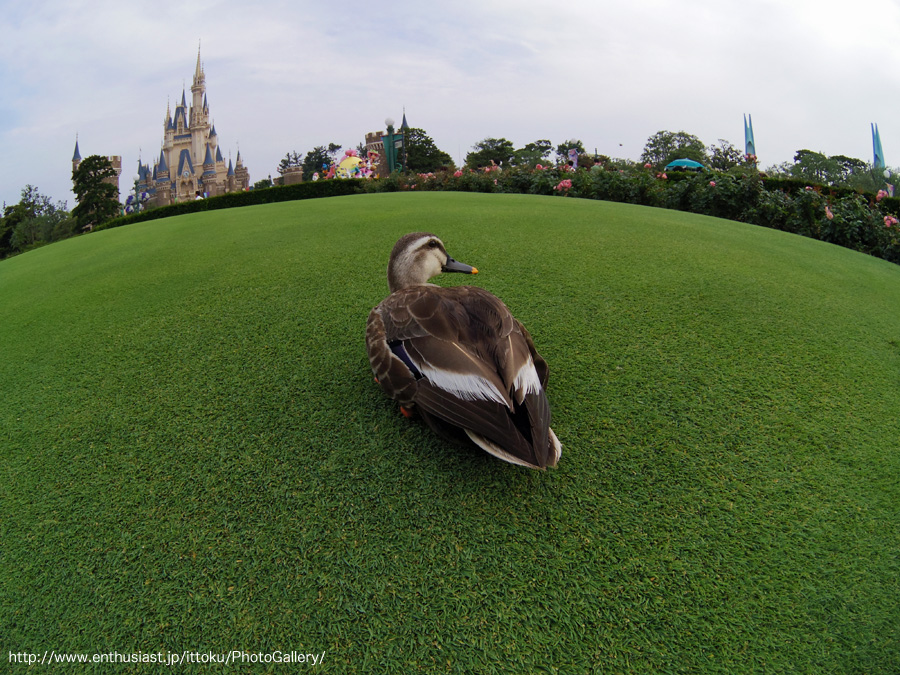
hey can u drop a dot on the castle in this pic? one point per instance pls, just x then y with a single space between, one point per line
190 161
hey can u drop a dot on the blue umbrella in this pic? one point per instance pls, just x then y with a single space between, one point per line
684 164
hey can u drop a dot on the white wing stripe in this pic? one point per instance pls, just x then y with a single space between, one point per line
527 379
464 386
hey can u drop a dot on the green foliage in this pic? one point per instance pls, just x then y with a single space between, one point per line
666 146
724 156
562 150
98 200
814 167
497 150
317 160
423 155
741 194
838 171
305 190
533 153
195 456
34 221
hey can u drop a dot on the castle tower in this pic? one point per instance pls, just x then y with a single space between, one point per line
229 180
191 155
76 158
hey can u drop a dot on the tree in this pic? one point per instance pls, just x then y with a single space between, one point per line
98 200
498 150
724 156
35 220
562 150
12 216
533 153
316 160
333 150
290 160
848 168
423 156
665 146
814 167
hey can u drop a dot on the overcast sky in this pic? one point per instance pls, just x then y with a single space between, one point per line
289 75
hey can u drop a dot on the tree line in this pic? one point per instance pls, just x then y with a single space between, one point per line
36 220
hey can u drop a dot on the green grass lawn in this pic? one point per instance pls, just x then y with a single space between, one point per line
194 456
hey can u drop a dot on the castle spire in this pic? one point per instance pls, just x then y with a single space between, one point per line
76 158
199 75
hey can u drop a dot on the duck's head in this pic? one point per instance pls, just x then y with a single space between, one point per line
417 257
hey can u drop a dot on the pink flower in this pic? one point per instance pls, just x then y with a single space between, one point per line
712 183
458 173
828 213
881 195
648 165
539 167
890 221
563 186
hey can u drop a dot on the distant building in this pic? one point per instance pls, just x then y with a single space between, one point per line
114 160
191 160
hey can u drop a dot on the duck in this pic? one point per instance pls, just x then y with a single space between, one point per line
459 358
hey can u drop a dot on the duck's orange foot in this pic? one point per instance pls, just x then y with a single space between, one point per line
376 380
406 412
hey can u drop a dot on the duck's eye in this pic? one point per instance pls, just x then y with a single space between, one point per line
432 244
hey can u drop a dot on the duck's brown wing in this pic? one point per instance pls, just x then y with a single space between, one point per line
392 374
460 355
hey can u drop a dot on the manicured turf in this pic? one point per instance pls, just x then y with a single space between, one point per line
194 456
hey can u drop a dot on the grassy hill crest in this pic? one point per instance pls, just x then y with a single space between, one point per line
195 457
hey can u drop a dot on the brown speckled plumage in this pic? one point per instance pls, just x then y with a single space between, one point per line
459 357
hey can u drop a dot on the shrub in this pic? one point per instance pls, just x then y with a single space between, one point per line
838 215
310 190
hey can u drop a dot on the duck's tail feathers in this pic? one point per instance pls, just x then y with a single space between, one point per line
492 448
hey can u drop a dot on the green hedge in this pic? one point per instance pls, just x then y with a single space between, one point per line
837 215
310 190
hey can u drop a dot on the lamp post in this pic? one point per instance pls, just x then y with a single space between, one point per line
392 143
388 141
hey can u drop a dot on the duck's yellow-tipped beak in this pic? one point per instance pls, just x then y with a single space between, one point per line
455 266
